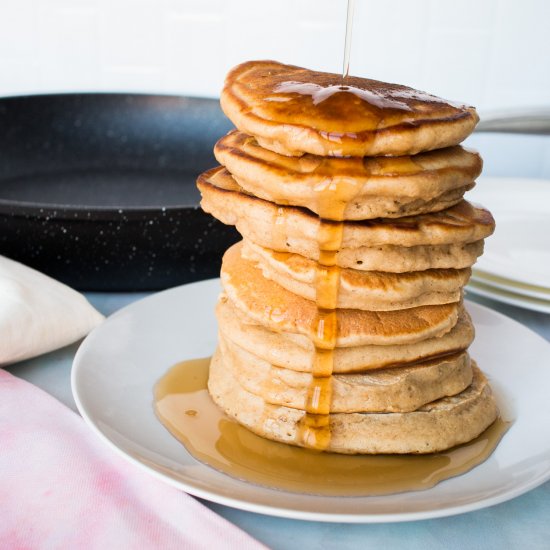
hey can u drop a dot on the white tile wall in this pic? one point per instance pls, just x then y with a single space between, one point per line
494 54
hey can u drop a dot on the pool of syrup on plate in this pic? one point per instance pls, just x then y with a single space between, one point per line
184 407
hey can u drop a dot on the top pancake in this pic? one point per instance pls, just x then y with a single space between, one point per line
292 111
351 188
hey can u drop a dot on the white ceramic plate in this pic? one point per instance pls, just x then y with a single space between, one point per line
509 285
488 291
118 364
520 247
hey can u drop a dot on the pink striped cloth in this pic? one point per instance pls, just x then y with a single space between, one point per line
61 488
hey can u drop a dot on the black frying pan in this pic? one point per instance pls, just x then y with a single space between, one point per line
98 190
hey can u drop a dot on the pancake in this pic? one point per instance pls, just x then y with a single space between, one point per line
366 187
433 427
280 310
389 390
371 290
296 351
291 110
449 239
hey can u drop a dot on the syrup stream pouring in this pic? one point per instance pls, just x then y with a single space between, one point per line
347 44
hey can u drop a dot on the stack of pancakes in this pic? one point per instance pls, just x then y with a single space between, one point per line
341 324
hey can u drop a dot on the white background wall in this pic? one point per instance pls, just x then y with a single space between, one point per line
494 54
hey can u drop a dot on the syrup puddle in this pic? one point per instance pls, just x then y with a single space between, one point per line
184 407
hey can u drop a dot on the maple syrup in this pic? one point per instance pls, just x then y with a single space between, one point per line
333 198
184 407
314 428
347 43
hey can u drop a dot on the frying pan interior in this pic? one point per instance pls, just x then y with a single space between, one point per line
98 190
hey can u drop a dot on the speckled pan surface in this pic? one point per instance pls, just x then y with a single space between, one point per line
98 190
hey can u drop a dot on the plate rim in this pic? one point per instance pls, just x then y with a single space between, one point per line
511 285
287 512
486 290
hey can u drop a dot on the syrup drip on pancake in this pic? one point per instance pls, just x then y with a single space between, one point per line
314 431
337 101
184 407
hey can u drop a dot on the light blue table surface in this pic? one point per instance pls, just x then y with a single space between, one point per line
522 523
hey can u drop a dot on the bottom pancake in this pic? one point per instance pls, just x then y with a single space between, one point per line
402 389
434 427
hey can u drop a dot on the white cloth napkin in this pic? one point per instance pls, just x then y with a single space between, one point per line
39 314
